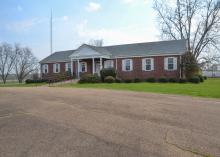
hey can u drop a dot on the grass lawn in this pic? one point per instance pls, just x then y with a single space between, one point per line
15 84
210 88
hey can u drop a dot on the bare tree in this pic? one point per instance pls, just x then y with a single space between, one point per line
7 58
198 21
25 63
98 43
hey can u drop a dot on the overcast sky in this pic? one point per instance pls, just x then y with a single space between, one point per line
75 22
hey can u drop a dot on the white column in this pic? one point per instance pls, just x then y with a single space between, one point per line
93 65
101 63
78 68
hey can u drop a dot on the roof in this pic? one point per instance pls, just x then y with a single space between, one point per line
101 50
61 56
149 48
136 49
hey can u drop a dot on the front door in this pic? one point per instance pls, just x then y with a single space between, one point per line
97 67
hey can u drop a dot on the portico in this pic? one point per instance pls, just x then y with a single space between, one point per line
87 60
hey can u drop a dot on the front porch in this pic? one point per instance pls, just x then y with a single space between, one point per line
88 59
87 66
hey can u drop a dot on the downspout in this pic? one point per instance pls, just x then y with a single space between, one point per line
72 67
116 64
180 66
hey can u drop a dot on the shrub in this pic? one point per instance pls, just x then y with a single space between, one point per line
205 77
107 72
182 80
29 81
194 79
109 79
163 80
128 81
189 65
151 79
136 80
89 78
118 80
172 80
201 78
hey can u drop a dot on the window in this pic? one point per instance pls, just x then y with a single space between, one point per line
108 64
127 65
170 63
148 64
68 67
45 68
56 68
83 67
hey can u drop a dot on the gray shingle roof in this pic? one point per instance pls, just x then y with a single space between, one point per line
149 48
137 49
61 56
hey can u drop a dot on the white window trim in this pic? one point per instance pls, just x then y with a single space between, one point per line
54 68
144 64
80 65
111 63
124 65
44 67
174 64
66 66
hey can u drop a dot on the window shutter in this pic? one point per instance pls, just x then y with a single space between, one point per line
123 65
66 67
54 68
144 64
131 64
175 63
58 67
85 66
152 63
80 67
166 63
47 68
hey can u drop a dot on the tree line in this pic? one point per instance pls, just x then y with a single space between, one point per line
17 60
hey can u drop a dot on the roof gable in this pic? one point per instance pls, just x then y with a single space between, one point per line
87 51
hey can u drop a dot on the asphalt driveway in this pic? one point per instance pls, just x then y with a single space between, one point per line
50 122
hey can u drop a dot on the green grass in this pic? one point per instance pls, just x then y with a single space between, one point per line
210 88
15 84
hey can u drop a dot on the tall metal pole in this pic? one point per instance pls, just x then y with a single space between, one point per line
51 32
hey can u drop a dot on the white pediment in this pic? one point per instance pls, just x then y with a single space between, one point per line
85 51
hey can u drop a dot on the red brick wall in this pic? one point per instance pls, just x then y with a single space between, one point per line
52 76
137 72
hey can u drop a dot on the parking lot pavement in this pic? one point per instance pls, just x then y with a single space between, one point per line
64 122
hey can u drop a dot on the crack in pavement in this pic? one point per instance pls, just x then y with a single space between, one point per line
190 150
